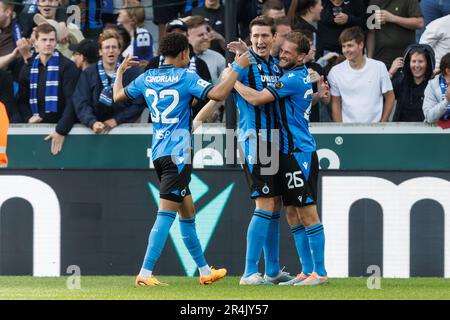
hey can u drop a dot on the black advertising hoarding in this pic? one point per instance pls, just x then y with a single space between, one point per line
99 220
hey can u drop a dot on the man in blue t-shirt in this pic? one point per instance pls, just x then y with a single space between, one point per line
298 158
168 92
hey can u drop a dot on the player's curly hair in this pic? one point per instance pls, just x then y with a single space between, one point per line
300 40
172 44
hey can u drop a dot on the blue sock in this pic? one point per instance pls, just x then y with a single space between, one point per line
256 237
303 250
157 238
316 237
190 239
272 247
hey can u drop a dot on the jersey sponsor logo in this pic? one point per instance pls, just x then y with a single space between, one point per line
161 134
202 83
279 85
150 79
270 79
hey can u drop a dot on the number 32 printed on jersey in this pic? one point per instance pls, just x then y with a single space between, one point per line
163 116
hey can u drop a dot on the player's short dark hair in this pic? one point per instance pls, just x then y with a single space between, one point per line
304 5
272 5
44 28
282 21
300 40
353 33
263 21
445 63
172 44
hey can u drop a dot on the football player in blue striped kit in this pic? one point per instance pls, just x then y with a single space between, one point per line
255 136
298 158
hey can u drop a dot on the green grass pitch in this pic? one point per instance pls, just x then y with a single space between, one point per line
184 288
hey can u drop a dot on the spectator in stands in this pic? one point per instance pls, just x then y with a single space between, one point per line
309 16
7 29
436 106
121 32
165 11
199 38
399 20
49 10
359 84
282 27
46 86
437 35
91 17
316 74
273 9
246 11
336 16
85 54
432 10
7 97
93 94
214 12
132 17
409 85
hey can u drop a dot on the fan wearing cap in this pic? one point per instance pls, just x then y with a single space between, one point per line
93 94
85 53
436 104
132 17
46 85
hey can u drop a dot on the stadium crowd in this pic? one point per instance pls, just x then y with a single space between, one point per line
392 64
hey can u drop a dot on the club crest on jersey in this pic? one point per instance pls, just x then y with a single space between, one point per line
275 68
279 85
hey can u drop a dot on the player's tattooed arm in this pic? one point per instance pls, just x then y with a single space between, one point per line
253 96
118 90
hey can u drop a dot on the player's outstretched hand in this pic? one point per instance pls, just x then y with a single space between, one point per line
127 63
245 59
237 47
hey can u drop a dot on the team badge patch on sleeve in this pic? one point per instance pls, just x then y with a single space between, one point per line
279 85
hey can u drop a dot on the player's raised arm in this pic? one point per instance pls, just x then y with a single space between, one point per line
118 90
223 89
205 113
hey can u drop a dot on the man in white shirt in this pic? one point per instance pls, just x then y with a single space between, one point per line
361 90
437 35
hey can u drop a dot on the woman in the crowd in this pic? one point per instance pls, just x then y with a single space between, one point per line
416 67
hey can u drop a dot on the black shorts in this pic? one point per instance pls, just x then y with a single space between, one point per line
259 182
174 185
299 175
166 10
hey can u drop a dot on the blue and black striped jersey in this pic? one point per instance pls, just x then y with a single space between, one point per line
261 119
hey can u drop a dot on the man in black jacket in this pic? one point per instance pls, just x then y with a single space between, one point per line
93 94
39 104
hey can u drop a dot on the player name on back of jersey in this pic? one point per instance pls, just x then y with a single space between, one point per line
162 78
